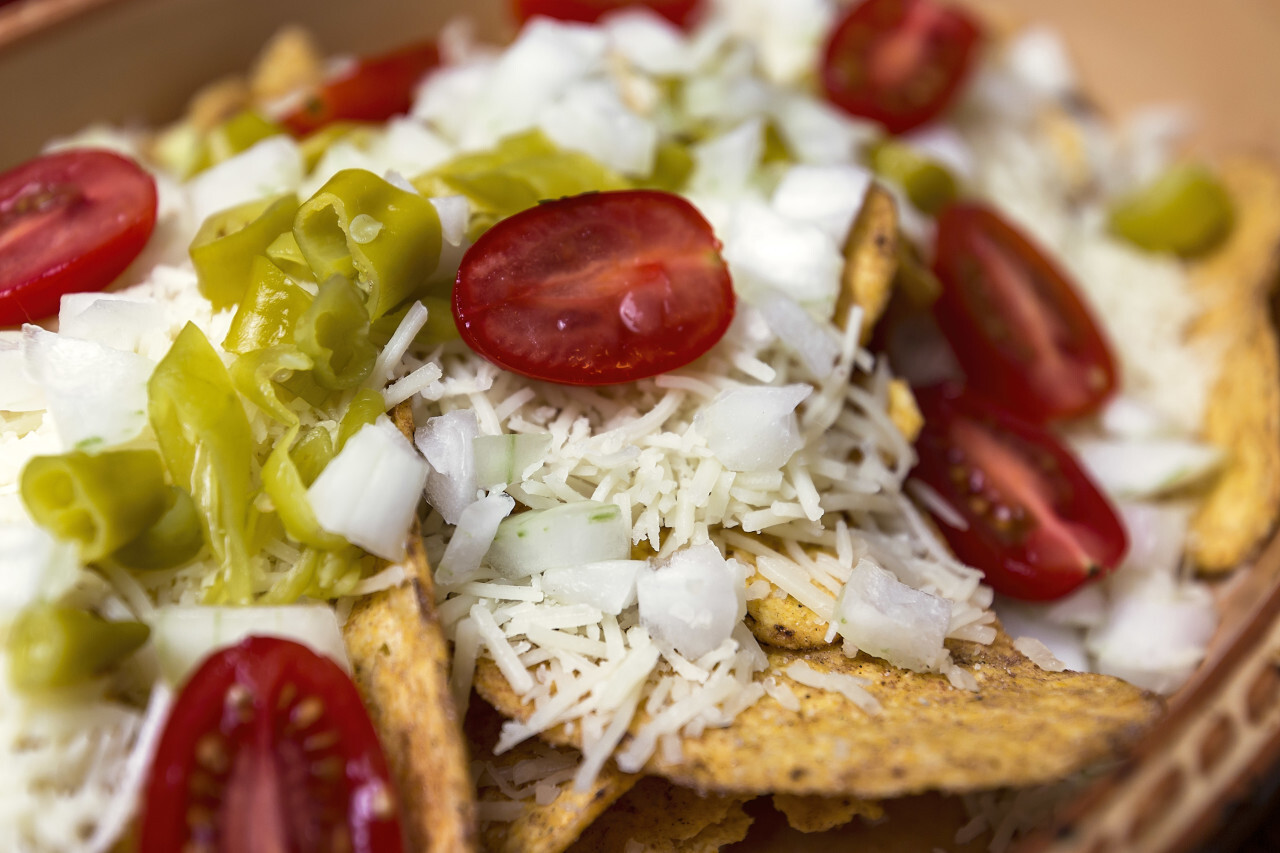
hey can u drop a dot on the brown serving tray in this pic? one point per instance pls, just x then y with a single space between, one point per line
66 63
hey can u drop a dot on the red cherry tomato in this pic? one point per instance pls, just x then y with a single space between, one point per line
1015 321
595 289
678 12
375 89
268 748
69 222
1036 524
899 62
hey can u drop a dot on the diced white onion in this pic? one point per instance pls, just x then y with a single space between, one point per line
37 567
815 343
184 636
648 41
694 600
590 117
609 585
768 250
369 492
1146 468
268 168
888 619
477 525
827 196
565 535
446 442
505 458
113 320
753 428
18 391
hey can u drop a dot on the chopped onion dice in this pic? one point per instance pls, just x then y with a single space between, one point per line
753 428
446 441
1128 468
609 585
888 619
694 601
472 538
270 167
566 535
827 196
505 458
369 492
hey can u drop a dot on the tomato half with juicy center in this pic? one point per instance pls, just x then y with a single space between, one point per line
375 89
70 222
1036 525
268 749
1015 321
595 289
899 62
678 12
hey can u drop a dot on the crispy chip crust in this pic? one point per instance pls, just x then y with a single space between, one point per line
1238 281
400 662
1024 727
667 819
870 260
548 828
781 620
818 814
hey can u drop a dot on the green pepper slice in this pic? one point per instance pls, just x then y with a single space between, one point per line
255 375
269 310
239 133
227 243
371 233
440 327
1186 211
173 540
334 331
99 501
283 484
285 253
206 443
312 452
928 184
363 410
51 647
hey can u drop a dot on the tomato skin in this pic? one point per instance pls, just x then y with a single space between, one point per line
70 222
595 289
375 89
1038 527
1015 321
268 748
678 12
899 62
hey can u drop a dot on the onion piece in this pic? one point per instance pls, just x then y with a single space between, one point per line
609 585
18 391
888 619
501 459
1146 468
183 636
765 249
270 167
472 538
753 428
827 196
694 600
565 535
37 567
369 492
447 443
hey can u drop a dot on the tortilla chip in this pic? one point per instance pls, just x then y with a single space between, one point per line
548 828
1244 405
291 60
916 824
1024 726
818 814
780 620
664 818
870 260
400 662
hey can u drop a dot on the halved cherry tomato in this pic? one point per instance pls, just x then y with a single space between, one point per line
1015 321
678 12
69 222
1036 524
268 748
375 89
899 62
595 289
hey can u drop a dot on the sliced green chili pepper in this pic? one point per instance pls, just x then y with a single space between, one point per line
927 183
284 485
1186 211
284 253
365 407
228 241
99 501
269 310
174 539
255 375
206 443
312 452
51 647
334 331
373 234
239 133
672 166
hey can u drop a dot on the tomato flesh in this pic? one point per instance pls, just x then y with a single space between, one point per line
1037 526
268 748
375 89
1016 323
678 12
69 222
899 62
595 289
